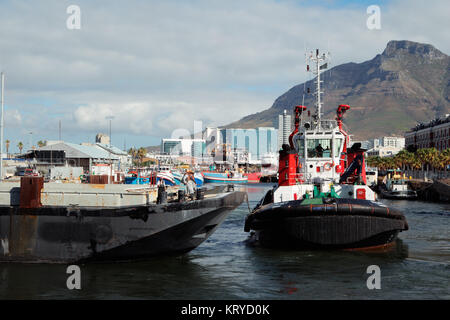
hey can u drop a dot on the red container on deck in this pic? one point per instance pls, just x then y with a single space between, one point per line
99 179
30 192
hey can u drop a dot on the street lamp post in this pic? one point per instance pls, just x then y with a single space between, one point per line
31 140
1 127
110 118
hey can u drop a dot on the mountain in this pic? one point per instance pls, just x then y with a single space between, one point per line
408 83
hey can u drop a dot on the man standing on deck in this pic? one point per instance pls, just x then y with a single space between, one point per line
190 184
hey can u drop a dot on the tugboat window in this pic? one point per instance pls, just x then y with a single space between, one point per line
319 148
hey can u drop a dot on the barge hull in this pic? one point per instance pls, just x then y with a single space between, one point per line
83 234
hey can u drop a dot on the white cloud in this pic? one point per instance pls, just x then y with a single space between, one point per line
13 118
157 65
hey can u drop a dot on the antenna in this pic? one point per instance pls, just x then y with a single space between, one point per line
1 128
320 63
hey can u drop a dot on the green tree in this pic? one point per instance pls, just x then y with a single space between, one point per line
7 142
140 154
427 157
403 159
133 153
20 146
41 143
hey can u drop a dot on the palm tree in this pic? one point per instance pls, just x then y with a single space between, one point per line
373 161
441 161
446 159
133 153
20 146
141 152
403 159
41 143
427 157
7 147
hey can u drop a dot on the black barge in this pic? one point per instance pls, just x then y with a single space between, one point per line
31 231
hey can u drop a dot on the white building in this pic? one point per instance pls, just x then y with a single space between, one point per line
385 146
435 134
183 147
284 129
394 142
102 139
212 138
383 152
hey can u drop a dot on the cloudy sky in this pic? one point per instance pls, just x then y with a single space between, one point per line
156 66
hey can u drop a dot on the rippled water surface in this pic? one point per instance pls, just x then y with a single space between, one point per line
227 267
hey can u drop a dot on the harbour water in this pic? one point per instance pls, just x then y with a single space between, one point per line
227 266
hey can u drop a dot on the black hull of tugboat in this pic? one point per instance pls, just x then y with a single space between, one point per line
339 224
79 235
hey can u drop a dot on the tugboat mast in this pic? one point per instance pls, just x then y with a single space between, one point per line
317 60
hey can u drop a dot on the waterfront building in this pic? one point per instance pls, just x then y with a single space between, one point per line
183 147
383 146
213 139
198 148
257 142
125 160
172 146
71 155
434 134
383 151
394 142
284 129
102 139
240 156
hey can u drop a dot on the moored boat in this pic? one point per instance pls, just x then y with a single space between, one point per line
165 177
218 177
253 177
70 223
179 178
397 188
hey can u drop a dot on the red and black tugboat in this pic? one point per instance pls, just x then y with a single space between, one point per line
322 200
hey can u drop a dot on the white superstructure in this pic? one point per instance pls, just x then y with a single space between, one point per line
322 153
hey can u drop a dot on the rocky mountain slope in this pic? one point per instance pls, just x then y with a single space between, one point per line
408 83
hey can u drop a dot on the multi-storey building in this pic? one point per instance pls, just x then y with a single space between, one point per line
385 146
183 147
284 129
257 142
434 134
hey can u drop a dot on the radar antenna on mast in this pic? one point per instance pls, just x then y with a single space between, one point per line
318 63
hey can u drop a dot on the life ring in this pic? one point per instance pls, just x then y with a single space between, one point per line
328 165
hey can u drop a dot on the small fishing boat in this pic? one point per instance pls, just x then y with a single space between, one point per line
134 177
397 188
166 177
218 177
372 177
180 176
253 177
